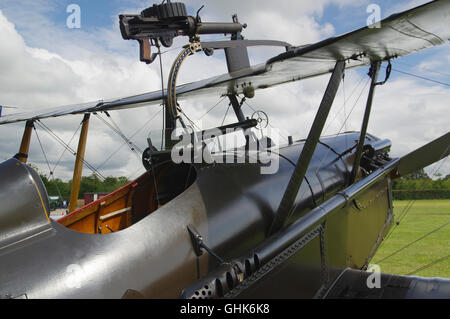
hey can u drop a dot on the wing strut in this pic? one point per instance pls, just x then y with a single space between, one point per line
25 145
374 70
288 200
78 169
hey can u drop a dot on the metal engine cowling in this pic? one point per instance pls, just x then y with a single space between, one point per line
24 202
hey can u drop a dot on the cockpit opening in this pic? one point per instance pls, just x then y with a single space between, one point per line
133 202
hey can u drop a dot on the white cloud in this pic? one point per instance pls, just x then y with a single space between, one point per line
405 5
35 78
63 67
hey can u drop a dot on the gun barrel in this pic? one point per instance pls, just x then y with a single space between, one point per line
218 28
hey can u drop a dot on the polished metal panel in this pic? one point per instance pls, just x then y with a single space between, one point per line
230 205
24 205
153 257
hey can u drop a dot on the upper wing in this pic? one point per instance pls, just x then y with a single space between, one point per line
399 35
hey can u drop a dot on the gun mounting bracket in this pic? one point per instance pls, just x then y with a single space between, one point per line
198 245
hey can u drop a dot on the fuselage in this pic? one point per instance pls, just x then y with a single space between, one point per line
230 205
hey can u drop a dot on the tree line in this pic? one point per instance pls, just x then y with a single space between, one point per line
419 185
89 184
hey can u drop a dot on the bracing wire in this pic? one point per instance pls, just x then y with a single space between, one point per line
116 130
131 143
402 216
413 242
435 262
65 149
345 108
342 126
421 77
345 104
410 204
172 49
225 116
189 120
424 69
59 140
193 123
48 164
407 208
133 135
212 108
134 148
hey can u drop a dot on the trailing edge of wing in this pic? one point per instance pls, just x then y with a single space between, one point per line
399 35
424 156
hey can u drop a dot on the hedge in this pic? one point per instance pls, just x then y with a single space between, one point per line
421 194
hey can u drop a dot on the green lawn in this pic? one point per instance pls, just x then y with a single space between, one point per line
423 217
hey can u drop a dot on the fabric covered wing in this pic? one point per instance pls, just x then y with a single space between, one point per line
399 35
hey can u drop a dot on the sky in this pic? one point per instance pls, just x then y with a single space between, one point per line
44 63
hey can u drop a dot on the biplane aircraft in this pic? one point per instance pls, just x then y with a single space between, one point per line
211 228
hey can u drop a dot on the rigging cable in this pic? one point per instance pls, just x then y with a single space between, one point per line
133 135
135 149
422 68
408 206
193 124
212 108
345 121
413 242
437 261
48 164
226 113
345 111
65 149
169 50
220 101
348 116
59 140
420 77
118 128
221 124
189 120
342 126
361 80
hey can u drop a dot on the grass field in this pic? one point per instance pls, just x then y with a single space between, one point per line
423 217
